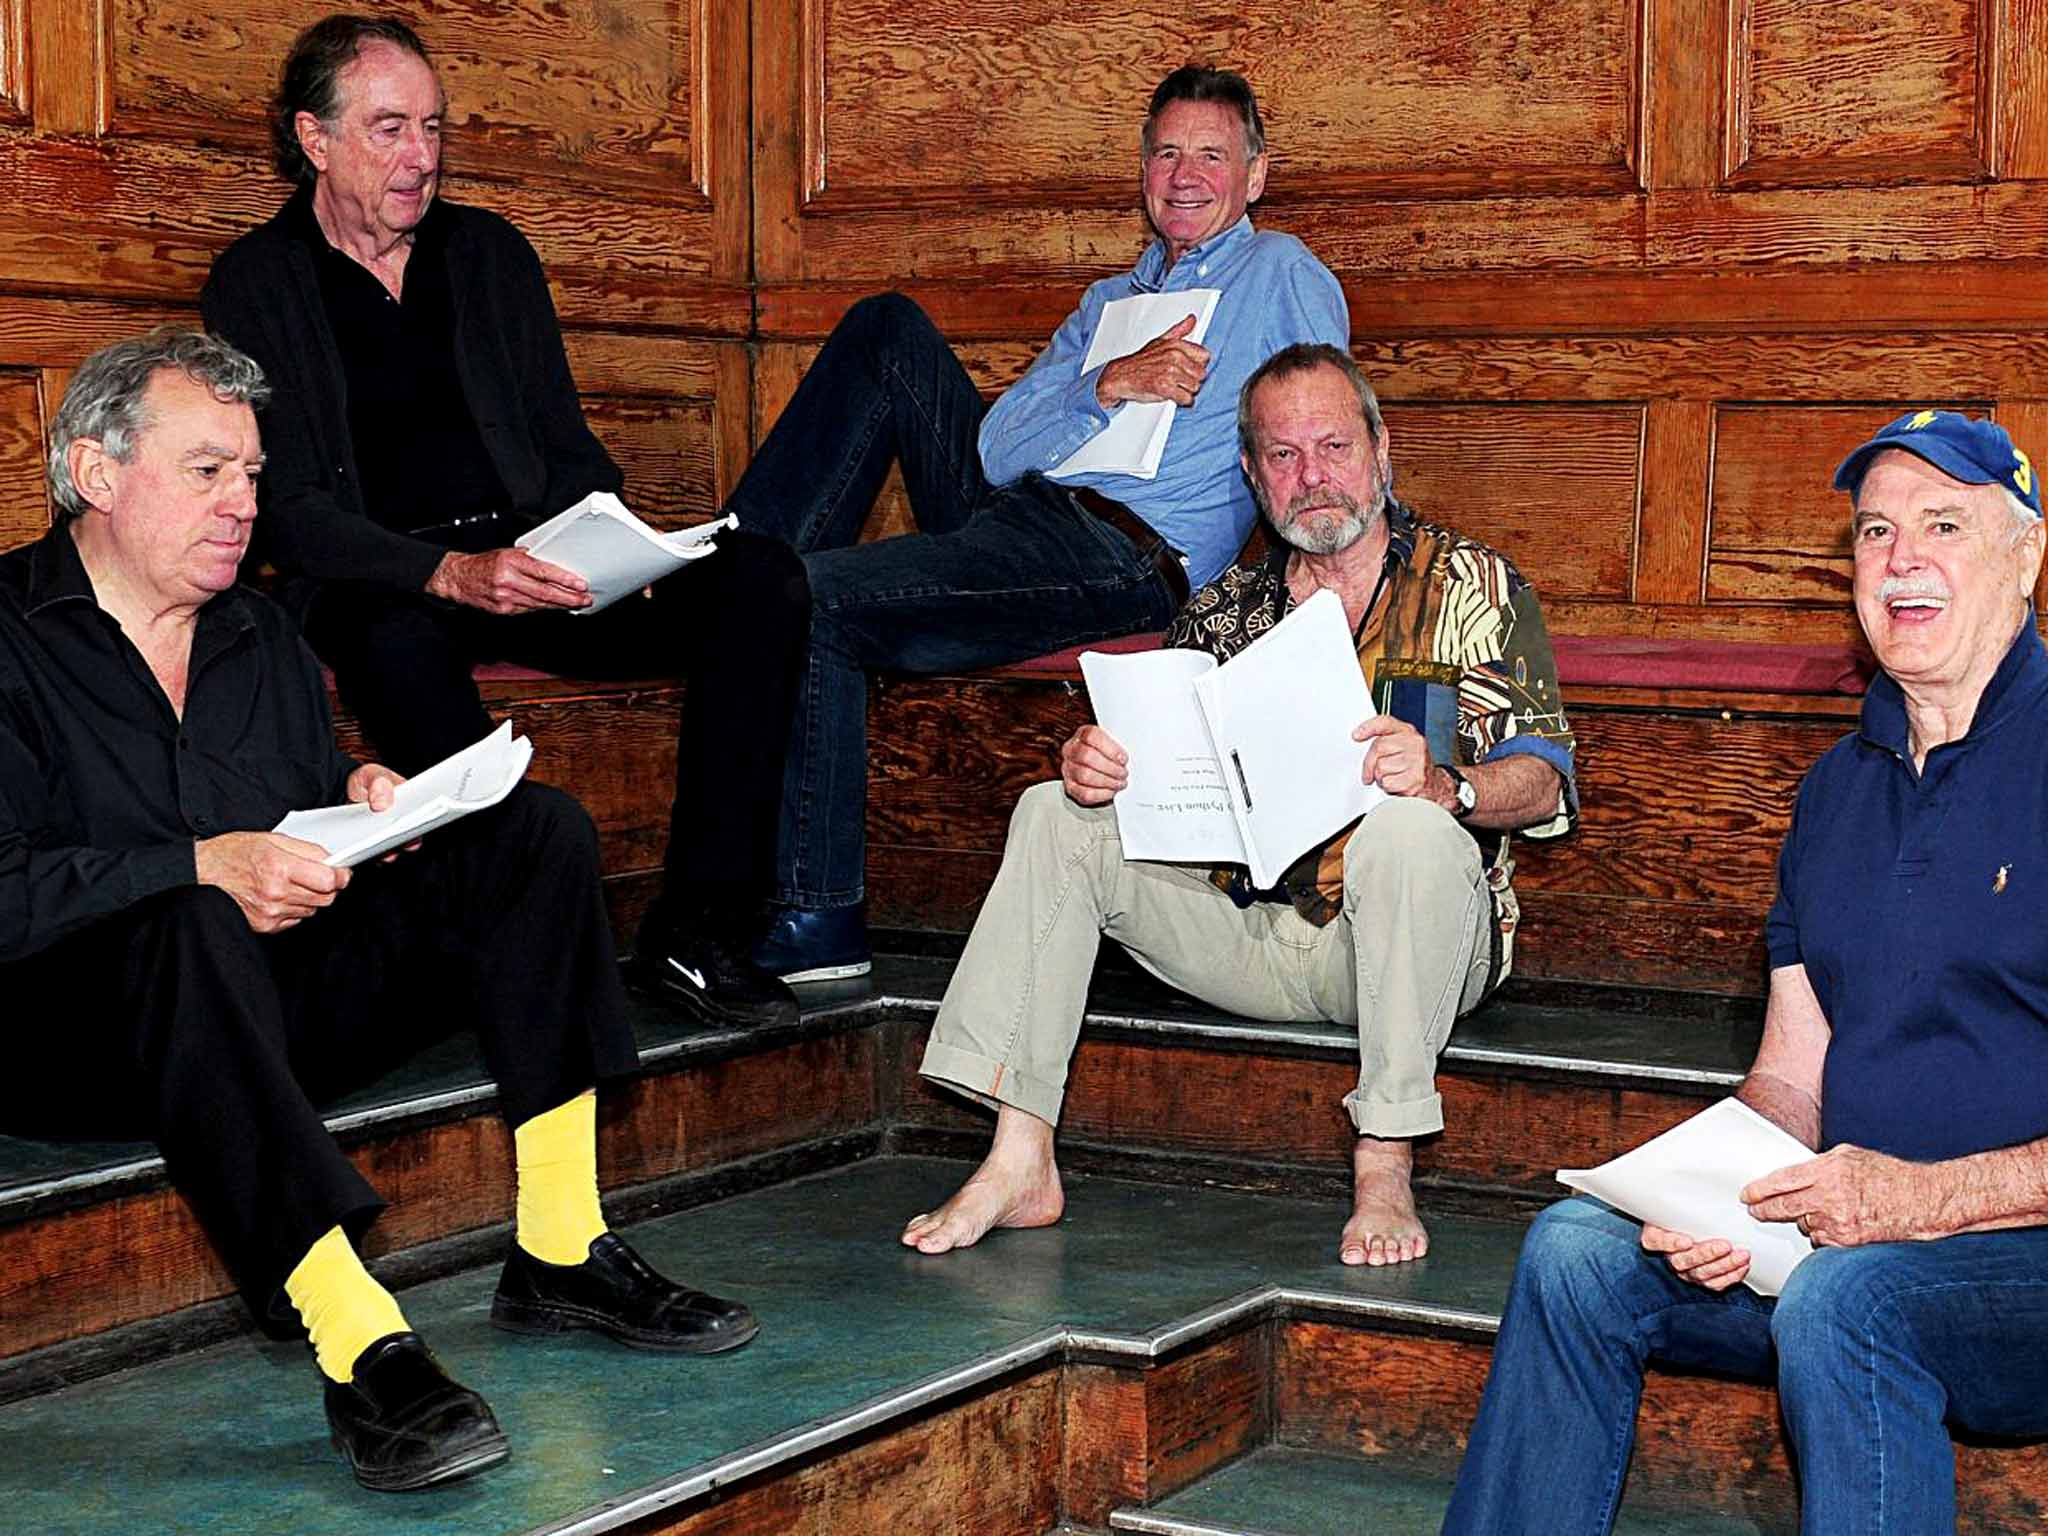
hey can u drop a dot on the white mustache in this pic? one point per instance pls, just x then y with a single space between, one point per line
1895 587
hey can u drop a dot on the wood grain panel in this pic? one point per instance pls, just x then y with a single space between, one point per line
1462 96
2023 91
1102 1452
56 334
14 74
24 501
1717 792
1699 369
612 363
597 96
1553 487
1267 1108
668 450
949 757
1206 1408
1678 456
1701 1444
1689 49
64 83
1863 90
1764 228
610 260
990 1465
1635 941
1780 529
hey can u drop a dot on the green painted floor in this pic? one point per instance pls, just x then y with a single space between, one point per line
1284 1492
232 1439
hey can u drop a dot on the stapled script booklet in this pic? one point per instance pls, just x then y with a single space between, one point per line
1250 762
1689 1180
605 544
474 778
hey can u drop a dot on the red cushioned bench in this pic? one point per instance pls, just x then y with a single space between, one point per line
1621 661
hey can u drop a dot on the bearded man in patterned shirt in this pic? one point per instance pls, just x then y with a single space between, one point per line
1399 924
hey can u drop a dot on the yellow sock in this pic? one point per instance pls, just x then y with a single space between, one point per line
556 1156
342 1307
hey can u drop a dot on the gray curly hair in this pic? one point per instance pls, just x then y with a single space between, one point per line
105 400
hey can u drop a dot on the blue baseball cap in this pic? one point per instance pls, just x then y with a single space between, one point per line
1961 447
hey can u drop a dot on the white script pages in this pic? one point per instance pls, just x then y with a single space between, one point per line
1250 762
1135 439
1688 1180
605 544
472 779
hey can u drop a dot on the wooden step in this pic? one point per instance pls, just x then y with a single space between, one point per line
95 1239
1544 1077
1283 1491
1113 1373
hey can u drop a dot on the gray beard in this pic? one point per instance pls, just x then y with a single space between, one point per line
1328 535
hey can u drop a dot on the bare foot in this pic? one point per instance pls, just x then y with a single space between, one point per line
1017 1185
1384 1228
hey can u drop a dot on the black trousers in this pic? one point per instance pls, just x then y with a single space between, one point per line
182 1025
735 625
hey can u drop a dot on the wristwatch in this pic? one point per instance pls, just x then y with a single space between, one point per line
1467 796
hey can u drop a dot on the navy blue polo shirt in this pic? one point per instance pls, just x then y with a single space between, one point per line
1918 904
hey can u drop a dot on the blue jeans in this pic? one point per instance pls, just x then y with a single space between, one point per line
994 574
1876 1351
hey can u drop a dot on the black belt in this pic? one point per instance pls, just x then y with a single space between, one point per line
472 535
1143 536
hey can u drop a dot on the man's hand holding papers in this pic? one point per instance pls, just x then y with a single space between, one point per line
1697 1177
472 780
1251 762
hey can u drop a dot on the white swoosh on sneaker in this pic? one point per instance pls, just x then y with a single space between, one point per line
696 977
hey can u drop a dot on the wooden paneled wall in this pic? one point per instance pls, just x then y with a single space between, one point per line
1631 274
133 147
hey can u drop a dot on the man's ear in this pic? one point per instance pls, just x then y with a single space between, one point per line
312 139
1255 179
2032 540
92 471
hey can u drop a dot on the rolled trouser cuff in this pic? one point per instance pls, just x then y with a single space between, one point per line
992 1082
1416 1117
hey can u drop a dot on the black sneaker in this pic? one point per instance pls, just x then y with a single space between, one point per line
711 978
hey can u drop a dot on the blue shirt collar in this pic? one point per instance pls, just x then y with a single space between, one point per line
2020 676
1151 273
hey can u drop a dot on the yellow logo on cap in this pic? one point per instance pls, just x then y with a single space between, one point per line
2023 477
1924 419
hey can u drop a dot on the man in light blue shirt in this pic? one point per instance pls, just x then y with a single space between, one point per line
1008 563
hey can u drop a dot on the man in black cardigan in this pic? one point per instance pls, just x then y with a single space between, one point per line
424 417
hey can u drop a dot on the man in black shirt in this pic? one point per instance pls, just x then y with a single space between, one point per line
219 979
424 418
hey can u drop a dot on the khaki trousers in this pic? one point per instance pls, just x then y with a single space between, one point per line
1407 955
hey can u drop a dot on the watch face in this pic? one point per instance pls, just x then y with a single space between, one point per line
1467 796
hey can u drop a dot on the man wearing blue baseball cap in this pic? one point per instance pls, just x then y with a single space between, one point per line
1905 1042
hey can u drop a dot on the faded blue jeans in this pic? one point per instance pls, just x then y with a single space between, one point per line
1875 1350
994 574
